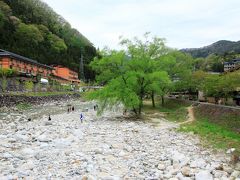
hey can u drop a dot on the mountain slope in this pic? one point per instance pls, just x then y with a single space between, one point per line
32 29
220 48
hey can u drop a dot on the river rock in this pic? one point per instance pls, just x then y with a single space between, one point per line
48 123
21 137
161 166
228 169
6 155
219 174
43 138
28 152
204 175
199 163
186 171
235 174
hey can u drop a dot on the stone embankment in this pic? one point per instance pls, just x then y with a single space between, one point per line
105 147
12 100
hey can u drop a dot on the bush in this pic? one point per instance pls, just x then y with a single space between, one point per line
23 106
28 85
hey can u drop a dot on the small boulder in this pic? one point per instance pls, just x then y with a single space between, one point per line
161 167
235 174
204 175
186 171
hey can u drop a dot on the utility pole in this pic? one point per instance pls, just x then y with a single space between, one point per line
81 66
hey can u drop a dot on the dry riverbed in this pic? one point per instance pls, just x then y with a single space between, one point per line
102 147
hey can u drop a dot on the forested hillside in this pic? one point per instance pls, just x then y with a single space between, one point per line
32 29
219 48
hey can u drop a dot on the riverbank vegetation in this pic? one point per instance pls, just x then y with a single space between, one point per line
218 136
217 127
172 110
146 68
23 106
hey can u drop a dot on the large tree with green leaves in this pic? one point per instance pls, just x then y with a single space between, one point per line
130 75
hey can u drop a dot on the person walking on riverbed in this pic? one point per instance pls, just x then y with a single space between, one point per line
81 118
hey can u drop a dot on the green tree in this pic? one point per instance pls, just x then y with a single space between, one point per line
220 86
57 44
179 67
229 83
1 19
130 75
212 63
160 85
28 34
212 86
197 80
5 9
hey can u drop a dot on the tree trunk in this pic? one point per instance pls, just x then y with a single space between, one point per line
140 105
226 99
139 110
162 100
135 111
153 101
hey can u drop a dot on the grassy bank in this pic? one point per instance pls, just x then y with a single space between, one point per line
213 134
219 128
173 110
224 117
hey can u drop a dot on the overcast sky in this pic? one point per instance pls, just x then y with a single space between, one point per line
184 23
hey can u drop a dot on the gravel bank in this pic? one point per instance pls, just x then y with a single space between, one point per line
104 147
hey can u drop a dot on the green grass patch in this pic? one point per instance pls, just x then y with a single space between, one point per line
23 106
225 118
173 110
213 134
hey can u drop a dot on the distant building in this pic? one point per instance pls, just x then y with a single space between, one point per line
65 74
23 65
231 65
28 68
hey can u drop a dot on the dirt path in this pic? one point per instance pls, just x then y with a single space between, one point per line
190 116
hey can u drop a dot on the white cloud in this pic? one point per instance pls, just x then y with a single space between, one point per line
184 23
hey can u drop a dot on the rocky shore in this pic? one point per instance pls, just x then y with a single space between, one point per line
107 147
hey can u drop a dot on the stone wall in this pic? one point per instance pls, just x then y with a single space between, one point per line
14 84
11 84
11 100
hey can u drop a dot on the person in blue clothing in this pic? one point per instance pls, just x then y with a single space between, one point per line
81 117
